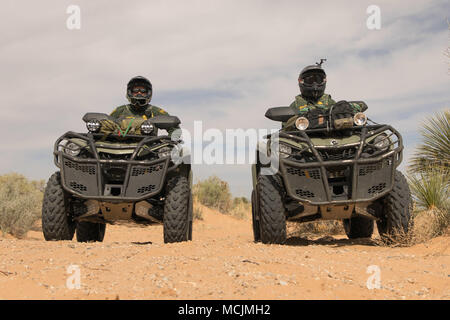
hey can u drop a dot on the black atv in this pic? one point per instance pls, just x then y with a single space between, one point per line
330 165
121 170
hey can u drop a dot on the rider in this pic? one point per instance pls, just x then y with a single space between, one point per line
312 81
139 94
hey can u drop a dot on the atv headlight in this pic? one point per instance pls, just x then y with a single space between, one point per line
382 142
302 123
72 149
284 150
147 127
164 152
360 119
93 125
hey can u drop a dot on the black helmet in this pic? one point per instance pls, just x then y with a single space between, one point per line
312 81
145 97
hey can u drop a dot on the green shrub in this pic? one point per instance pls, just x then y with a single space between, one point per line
239 200
241 208
214 193
326 227
20 203
197 213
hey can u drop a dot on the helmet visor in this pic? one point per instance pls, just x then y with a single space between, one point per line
139 90
314 78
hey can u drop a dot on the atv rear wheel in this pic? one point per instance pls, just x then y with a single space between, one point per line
56 222
271 210
255 218
395 216
176 210
358 227
90 231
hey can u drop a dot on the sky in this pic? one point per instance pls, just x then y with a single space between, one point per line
220 62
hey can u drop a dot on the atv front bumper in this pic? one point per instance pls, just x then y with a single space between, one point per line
366 179
84 177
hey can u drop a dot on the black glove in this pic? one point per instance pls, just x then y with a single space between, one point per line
341 110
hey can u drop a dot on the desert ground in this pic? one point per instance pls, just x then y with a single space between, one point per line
222 262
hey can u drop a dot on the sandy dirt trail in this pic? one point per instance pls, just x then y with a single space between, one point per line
222 262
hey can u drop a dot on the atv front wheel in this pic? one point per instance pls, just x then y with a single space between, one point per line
90 232
395 217
272 213
176 210
56 223
358 227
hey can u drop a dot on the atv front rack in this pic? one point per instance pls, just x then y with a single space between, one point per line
83 177
367 176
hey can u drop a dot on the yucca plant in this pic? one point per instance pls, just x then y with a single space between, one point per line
430 166
430 188
435 147
429 174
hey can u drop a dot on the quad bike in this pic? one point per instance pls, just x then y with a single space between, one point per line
121 170
332 165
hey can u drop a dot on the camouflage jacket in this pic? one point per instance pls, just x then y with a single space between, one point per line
125 111
301 105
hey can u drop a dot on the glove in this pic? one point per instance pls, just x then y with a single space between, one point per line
342 109
109 126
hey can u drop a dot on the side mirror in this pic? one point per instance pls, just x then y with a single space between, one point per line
164 122
97 116
280 113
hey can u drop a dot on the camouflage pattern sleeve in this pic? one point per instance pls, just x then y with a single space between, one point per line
300 106
293 106
331 101
156 111
117 112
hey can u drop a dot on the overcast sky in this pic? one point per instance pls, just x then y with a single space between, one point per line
222 62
